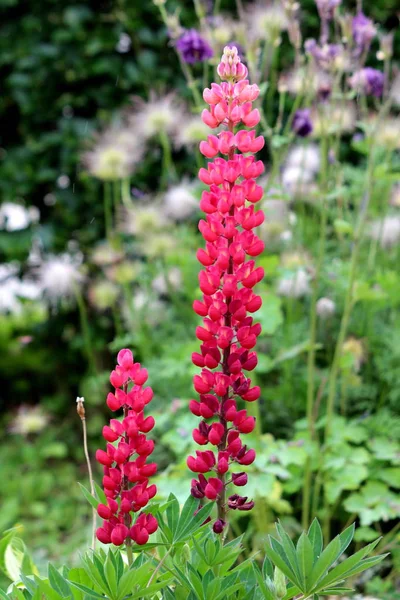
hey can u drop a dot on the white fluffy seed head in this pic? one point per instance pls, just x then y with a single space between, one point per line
295 286
59 276
180 202
325 308
386 231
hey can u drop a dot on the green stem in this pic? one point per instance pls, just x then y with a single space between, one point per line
313 330
273 78
116 194
168 169
158 567
348 305
85 329
107 210
126 192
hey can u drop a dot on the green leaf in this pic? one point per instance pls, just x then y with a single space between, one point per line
345 537
172 513
58 582
91 499
111 576
345 568
316 538
305 556
90 593
261 582
325 561
289 550
190 522
277 560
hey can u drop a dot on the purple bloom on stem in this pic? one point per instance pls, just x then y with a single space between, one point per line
368 81
326 8
364 32
302 124
324 55
193 47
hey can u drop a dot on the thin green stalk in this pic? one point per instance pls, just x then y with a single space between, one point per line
313 328
82 414
116 195
348 305
185 69
273 78
84 322
158 567
168 169
107 210
126 192
129 553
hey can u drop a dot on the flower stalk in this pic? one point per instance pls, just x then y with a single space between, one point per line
125 481
80 409
228 334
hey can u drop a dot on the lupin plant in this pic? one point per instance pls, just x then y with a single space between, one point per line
125 481
187 559
228 333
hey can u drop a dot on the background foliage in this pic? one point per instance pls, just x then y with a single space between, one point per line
65 74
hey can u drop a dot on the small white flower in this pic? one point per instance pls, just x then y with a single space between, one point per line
80 399
164 282
13 289
386 231
14 217
180 202
161 115
297 181
142 220
124 43
304 157
266 21
29 420
294 286
63 182
115 154
59 275
286 236
50 199
325 308
191 132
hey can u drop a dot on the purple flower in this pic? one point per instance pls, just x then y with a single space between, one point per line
302 124
364 32
325 55
326 8
193 47
368 81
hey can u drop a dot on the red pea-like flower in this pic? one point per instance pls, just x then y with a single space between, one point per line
126 470
228 333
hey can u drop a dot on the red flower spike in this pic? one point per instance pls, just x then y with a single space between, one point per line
227 280
126 470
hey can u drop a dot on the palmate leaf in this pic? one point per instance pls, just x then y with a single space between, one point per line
316 538
340 572
58 582
305 558
325 561
277 560
267 594
310 569
290 551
